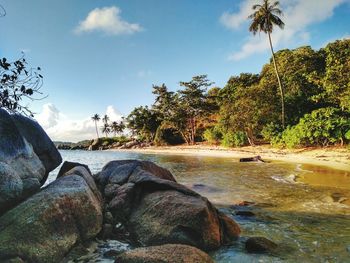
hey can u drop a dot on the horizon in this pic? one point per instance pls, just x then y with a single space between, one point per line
104 57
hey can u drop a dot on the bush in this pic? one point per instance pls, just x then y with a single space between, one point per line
271 131
321 127
236 139
212 135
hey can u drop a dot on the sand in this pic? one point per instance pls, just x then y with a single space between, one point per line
333 157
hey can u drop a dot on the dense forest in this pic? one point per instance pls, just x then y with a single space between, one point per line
247 110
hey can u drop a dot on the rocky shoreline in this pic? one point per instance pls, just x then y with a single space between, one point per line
103 144
135 202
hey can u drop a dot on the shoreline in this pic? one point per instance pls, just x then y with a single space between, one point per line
332 157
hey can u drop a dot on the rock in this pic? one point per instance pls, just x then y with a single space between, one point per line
95 145
42 145
245 213
155 209
176 218
118 172
252 159
21 170
46 226
108 217
107 231
129 145
66 166
260 245
170 253
110 190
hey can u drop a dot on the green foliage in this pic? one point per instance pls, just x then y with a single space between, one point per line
18 82
213 135
324 126
316 88
143 122
236 139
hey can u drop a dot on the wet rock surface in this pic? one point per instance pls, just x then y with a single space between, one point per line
169 253
260 245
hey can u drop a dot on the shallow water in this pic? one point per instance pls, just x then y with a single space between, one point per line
303 208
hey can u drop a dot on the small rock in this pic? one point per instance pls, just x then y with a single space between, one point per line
245 213
260 245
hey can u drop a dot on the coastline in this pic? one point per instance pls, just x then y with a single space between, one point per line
332 157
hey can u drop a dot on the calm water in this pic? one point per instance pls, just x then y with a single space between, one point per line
303 208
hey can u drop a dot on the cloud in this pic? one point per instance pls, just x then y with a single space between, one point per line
298 15
107 20
62 128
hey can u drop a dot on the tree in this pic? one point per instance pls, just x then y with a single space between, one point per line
192 105
17 83
96 118
105 119
117 127
264 18
143 122
106 129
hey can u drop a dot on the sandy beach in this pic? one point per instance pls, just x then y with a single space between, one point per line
333 157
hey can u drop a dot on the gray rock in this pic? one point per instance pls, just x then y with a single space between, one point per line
18 162
156 210
42 145
46 226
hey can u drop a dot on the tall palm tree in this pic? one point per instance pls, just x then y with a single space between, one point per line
105 119
96 118
264 18
106 129
115 128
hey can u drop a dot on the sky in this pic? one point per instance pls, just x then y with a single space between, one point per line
104 56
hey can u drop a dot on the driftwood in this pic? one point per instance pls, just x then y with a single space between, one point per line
252 159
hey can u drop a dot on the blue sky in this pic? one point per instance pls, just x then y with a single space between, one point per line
96 54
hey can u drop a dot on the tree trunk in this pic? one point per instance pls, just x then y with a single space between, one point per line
96 130
279 82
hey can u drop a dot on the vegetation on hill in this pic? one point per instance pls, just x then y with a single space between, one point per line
248 109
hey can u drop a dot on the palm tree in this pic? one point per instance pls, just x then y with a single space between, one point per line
105 119
264 18
96 118
106 129
117 127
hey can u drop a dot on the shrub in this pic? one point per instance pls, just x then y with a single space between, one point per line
213 135
321 127
236 139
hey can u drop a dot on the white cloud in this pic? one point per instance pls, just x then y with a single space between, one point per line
62 128
107 20
113 114
298 15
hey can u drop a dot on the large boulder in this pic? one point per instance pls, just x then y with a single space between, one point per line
42 145
21 170
169 253
155 209
46 226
